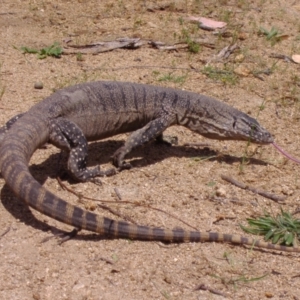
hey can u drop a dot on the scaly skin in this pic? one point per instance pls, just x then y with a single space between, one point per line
92 111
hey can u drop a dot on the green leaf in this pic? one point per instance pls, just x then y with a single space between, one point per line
289 238
54 50
276 238
269 234
29 50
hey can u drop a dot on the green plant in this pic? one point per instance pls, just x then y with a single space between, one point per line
79 57
225 76
239 280
269 34
138 23
180 20
193 46
226 16
54 50
282 229
272 35
172 78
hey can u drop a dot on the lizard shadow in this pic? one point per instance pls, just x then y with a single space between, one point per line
99 153
154 152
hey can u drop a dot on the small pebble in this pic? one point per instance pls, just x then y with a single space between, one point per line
242 70
239 58
220 192
38 85
242 36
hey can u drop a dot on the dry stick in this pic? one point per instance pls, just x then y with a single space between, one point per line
143 67
63 186
5 232
296 211
253 189
108 261
281 56
80 197
196 144
118 193
114 212
204 287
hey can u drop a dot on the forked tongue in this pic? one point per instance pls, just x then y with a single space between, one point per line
286 154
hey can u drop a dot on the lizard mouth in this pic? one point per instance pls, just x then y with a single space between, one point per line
263 139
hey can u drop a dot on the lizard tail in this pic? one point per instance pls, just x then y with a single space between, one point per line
16 149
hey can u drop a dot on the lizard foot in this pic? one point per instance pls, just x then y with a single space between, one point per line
91 174
97 181
168 140
118 160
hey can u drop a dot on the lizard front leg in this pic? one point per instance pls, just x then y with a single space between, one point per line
67 135
139 137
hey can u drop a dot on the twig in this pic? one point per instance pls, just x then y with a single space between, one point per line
108 261
127 43
118 193
296 211
253 189
100 47
223 54
168 246
281 56
222 218
203 287
7 13
5 232
114 212
196 145
6 108
143 67
63 186
81 197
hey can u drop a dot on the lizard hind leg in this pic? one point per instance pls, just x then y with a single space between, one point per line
68 136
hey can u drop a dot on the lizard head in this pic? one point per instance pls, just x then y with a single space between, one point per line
230 126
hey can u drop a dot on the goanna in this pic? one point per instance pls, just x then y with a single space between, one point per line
71 117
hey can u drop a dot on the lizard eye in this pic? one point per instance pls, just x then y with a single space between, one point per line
254 127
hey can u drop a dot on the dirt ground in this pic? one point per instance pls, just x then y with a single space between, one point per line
181 180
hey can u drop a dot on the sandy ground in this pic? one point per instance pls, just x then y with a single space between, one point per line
180 180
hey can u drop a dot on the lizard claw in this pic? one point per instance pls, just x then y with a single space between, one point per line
168 140
118 159
96 181
125 166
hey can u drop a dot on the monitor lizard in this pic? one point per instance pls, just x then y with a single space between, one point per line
91 111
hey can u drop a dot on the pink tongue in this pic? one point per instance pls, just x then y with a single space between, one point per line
286 154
